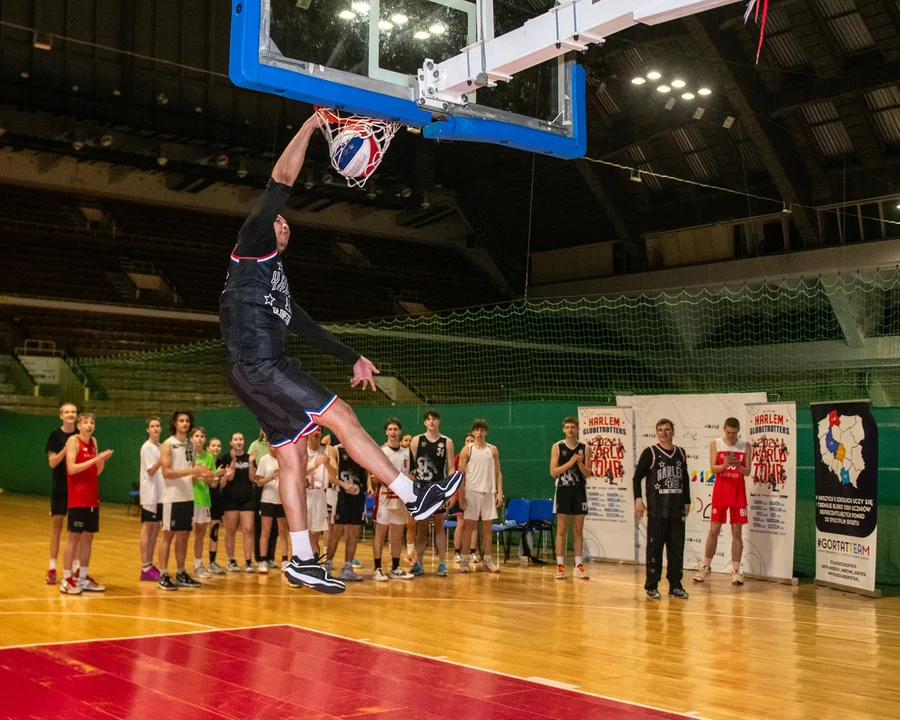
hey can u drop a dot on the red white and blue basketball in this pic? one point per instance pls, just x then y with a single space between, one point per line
354 154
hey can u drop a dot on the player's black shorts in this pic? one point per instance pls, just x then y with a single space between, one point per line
217 505
59 504
286 401
155 516
571 499
238 506
82 520
272 510
350 509
178 516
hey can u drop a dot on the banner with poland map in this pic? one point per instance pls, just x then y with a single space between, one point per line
846 465
608 434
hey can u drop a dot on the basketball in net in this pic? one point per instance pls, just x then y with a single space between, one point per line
356 144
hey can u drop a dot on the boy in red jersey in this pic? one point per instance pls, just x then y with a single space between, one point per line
730 460
83 466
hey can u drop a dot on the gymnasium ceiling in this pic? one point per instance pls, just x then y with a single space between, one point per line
817 121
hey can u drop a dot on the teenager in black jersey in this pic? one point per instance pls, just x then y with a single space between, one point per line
349 508
431 450
668 503
567 467
256 312
59 490
237 502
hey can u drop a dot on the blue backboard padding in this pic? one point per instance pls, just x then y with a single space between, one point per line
517 136
245 70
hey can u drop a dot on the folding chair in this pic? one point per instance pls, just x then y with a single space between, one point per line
542 512
518 511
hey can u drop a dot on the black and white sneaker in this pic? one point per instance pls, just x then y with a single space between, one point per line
166 583
183 580
653 594
431 496
678 592
312 575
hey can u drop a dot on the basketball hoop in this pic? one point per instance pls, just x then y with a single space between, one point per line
356 144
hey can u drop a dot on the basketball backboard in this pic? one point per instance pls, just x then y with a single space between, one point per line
458 69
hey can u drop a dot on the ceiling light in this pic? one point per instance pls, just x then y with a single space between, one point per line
687 96
346 14
222 161
42 41
76 88
117 92
77 145
728 122
242 173
399 18
106 140
653 75
663 88
437 29
678 83
162 160
162 99
698 113
638 81
704 91
421 35
406 192
385 25
360 7
636 176
328 178
198 109
670 103
24 75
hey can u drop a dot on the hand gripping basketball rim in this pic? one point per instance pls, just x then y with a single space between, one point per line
356 144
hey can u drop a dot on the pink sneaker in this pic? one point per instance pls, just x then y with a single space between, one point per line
51 577
151 575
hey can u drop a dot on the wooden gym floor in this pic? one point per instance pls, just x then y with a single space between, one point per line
515 645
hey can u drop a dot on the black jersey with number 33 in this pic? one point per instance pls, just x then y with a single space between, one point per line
431 459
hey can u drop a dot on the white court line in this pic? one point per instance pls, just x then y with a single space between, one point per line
469 601
110 615
492 672
551 683
136 637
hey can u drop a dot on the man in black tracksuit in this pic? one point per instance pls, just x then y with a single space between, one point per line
668 503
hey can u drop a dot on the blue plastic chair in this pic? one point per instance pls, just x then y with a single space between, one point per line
519 512
134 498
542 512
370 510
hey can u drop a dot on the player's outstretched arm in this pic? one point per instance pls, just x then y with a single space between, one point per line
288 167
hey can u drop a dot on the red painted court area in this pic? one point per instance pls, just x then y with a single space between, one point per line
273 672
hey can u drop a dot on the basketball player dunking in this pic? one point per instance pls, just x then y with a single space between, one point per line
730 461
256 312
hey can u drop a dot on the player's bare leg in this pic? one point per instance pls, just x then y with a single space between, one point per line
737 552
712 541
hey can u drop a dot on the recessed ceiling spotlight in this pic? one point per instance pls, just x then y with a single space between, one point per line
422 35
385 25
360 7
437 29
654 75
637 81
399 19
663 88
678 83
704 91
346 15
687 96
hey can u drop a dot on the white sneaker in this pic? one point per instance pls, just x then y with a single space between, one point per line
284 564
560 572
737 578
401 574
88 584
379 576
263 568
580 572
249 568
489 567
464 565
704 573
202 572
457 558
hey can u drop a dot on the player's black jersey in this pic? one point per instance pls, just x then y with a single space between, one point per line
349 471
668 484
431 459
256 309
572 476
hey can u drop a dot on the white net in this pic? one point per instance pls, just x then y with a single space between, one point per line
356 144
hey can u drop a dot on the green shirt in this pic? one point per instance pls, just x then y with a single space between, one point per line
261 449
201 489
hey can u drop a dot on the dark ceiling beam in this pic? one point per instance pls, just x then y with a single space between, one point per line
883 21
633 134
853 82
739 84
851 107
855 184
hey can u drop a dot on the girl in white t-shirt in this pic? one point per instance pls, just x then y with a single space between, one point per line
270 508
